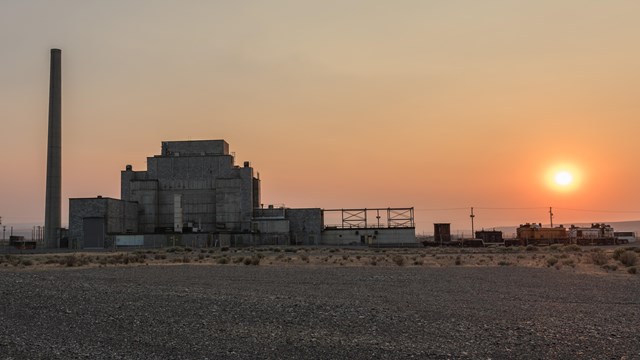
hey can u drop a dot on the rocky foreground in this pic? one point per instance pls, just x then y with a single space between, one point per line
188 311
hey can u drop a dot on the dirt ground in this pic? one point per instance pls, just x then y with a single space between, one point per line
321 310
572 258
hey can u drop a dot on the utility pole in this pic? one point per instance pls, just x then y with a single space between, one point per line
473 234
551 215
3 229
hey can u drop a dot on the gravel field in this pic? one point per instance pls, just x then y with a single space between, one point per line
274 312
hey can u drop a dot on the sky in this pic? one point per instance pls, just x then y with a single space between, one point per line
436 105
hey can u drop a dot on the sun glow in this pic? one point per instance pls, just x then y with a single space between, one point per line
563 178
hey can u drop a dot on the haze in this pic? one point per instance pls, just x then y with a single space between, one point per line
439 105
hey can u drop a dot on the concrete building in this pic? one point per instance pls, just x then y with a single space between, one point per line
193 194
285 226
371 227
94 221
193 184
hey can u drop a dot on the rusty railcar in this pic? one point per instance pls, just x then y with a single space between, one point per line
597 234
535 234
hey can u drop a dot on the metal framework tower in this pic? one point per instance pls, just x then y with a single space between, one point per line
53 202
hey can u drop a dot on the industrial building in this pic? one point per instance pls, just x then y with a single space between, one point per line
193 194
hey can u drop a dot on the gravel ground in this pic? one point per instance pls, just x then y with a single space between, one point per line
247 312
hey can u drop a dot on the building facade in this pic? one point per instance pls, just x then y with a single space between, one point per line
193 185
193 194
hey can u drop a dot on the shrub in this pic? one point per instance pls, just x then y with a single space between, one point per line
531 248
27 262
569 262
399 260
599 258
611 267
224 248
572 247
628 258
160 256
552 261
70 261
504 263
304 258
555 247
458 260
617 253
254 260
13 260
632 270
418 262
239 259
223 260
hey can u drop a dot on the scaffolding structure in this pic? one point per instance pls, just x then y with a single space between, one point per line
391 218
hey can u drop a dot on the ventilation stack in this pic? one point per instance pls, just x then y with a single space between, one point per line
53 202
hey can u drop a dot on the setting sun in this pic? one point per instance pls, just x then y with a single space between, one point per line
564 178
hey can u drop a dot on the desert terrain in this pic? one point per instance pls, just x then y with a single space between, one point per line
327 303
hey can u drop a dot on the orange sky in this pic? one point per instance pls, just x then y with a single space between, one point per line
430 104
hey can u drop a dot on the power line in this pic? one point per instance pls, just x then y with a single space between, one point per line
443 209
602 211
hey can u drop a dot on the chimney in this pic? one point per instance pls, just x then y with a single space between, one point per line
53 202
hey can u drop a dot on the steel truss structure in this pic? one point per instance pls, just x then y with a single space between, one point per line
372 218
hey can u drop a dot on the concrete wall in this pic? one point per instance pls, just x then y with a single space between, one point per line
370 236
279 226
195 147
119 216
215 194
145 193
305 225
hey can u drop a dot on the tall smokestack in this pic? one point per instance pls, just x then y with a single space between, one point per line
53 204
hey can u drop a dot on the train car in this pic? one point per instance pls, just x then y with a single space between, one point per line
597 234
624 237
535 234
20 243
